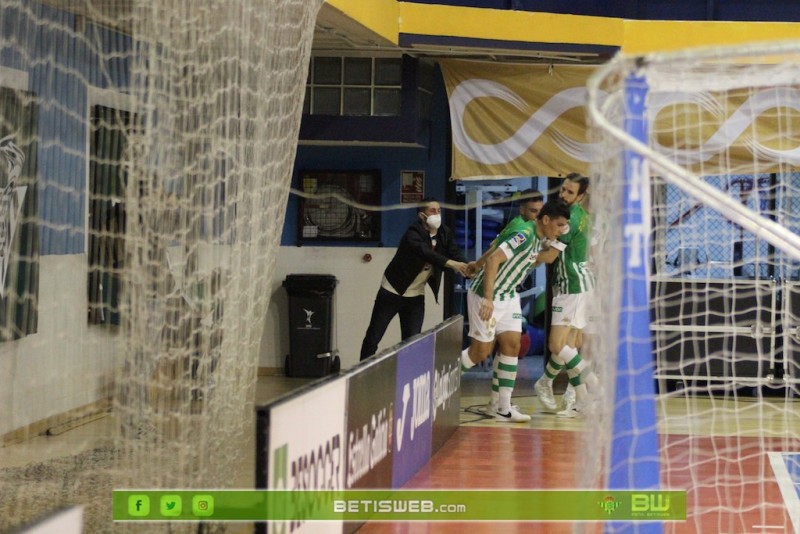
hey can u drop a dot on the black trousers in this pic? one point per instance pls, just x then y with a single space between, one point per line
387 305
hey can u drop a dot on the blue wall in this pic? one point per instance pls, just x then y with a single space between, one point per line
59 68
390 160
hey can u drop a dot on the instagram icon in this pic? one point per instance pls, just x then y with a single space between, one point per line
202 505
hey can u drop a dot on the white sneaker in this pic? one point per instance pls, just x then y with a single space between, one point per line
513 416
491 407
569 397
544 391
573 410
568 413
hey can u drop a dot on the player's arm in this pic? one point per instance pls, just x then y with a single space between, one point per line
476 266
421 247
456 260
491 267
550 251
547 256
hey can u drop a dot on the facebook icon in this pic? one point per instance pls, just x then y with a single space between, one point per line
138 505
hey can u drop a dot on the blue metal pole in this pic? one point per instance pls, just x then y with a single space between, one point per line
635 446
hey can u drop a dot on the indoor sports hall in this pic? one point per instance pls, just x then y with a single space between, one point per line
201 200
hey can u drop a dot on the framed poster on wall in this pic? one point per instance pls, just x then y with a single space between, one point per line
335 206
412 187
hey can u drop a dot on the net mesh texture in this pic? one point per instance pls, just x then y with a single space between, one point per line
147 149
723 279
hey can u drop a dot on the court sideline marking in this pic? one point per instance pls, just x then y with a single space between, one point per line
789 488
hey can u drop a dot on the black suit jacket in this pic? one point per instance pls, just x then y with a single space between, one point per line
415 251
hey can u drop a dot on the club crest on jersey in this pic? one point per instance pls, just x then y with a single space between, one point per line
517 240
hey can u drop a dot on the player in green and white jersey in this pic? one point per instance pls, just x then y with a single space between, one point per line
573 274
572 292
493 304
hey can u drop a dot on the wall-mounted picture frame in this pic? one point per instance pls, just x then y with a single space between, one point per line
412 187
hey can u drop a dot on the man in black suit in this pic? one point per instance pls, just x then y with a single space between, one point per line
427 247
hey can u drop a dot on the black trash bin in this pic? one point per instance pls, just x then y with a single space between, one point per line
310 325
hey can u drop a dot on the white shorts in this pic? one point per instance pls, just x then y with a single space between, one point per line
506 317
593 315
572 310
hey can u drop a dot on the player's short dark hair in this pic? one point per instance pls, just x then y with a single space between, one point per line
554 209
530 195
423 204
582 181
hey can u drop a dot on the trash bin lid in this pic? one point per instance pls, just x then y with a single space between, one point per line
309 282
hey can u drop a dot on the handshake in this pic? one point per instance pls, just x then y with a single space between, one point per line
467 270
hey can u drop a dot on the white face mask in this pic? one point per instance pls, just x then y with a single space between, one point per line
434 221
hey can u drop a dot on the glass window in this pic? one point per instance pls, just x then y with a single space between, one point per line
356 101
388 71
355 86
327 100
107 212
357 71
387 102
327 71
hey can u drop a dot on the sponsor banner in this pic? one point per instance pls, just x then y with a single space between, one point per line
518 120
446 382
412 409
530 120
370 426
307 451
399 505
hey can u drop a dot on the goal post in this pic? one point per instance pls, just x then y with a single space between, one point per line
700 149
634 457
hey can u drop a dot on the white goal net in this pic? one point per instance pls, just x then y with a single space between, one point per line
720 164
146 150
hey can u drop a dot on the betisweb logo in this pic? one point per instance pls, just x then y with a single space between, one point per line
12 199
650 505
609 504
420 409
368 445
445 384
318 468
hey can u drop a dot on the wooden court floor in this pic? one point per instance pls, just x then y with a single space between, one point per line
720 451
718 454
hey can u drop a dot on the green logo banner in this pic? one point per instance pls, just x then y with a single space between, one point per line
398 505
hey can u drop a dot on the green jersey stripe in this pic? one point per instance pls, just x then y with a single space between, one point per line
572 271
520 240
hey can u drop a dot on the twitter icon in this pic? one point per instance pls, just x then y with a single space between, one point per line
171 505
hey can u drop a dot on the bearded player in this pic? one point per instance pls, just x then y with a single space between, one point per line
572 293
